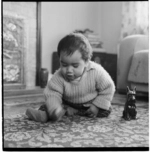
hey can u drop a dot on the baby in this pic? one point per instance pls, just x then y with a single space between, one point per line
79 87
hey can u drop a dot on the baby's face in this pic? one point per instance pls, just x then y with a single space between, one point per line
72 66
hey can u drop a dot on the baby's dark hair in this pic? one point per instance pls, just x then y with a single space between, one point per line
75 41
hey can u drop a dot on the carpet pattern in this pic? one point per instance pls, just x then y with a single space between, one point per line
79 131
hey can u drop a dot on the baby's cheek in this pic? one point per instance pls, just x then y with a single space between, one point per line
79 71
63 70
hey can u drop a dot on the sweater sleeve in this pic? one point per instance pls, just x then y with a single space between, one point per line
106 89
53 92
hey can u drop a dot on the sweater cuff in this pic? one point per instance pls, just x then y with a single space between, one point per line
105 104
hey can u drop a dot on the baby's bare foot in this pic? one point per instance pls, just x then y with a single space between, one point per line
37 115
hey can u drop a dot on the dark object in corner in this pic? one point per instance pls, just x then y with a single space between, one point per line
43 77
129 111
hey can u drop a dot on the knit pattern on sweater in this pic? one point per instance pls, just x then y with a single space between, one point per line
95 85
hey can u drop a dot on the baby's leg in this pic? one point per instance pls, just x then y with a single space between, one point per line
39 115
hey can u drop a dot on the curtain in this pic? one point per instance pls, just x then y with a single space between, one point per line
135 17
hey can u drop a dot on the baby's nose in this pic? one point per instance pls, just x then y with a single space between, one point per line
69 69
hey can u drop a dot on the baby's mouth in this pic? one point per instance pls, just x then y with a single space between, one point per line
70 77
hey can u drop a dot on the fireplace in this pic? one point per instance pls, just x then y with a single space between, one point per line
20 50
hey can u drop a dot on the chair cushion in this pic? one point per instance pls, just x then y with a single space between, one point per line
139 67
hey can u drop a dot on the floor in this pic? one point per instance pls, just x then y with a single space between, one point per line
21 108
10 109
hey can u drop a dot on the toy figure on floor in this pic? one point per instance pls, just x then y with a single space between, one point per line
129 111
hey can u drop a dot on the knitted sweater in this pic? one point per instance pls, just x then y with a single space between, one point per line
95 85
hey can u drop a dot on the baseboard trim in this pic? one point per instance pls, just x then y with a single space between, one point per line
20 92
23 96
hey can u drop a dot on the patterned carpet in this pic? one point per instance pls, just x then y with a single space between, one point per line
79 131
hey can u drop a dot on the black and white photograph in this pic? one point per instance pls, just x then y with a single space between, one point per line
75 75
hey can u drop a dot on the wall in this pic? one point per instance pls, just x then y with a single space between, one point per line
61 18
111 25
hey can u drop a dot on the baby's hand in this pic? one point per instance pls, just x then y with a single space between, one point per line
71 111
57 114
92 111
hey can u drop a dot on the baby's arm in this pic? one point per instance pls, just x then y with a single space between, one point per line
53 95
106 89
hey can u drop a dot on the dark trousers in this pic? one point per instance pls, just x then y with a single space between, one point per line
81 109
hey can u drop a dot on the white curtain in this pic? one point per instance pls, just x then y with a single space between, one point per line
135 18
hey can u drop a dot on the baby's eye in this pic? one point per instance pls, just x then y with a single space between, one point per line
75 66
64 65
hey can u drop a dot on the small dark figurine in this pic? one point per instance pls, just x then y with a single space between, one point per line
129 111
